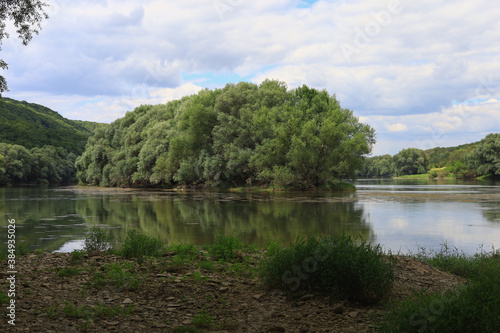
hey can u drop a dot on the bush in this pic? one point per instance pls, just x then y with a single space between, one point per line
97 240
338 266
137 246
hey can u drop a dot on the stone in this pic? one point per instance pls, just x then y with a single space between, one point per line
353 314
338 309
307 297
127 301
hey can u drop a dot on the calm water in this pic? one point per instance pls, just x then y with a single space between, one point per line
399 215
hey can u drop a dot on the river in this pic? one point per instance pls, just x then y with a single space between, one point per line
400 215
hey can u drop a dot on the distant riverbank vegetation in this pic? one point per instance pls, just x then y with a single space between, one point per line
242 135
19 165
479 159
38 145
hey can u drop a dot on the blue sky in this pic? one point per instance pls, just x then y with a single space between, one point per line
422 73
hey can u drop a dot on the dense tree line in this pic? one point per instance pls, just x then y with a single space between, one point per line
464 161
241 134
408 161
36 165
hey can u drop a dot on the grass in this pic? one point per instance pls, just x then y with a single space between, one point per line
455 262
69 271
338 266
99 311
116 276
471 308
138 245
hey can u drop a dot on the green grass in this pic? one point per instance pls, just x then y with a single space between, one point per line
69 271
99 311
473 307
455 262
116 276
338 266
138 245
225 247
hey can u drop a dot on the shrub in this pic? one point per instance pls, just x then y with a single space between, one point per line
225 247
97 240
137 246
339 266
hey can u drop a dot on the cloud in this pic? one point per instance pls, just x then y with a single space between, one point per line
397 127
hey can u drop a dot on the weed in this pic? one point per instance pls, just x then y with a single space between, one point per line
225 247
3 298
77 256
473 308
63 272
203 319
339 266
138 246
185 251
51 312
97 240
117 276
99 311
455 262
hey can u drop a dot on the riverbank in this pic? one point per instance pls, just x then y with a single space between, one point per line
191 289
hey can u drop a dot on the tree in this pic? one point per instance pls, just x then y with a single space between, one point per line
410 161
27 16
485 157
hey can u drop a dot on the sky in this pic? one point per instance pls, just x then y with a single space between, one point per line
422 73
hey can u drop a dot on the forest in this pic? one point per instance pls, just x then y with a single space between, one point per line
465 161
38 145
242 135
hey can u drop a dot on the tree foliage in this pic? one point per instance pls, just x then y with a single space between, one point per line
241 134
408 161
26 15
32 125
37 165
485 157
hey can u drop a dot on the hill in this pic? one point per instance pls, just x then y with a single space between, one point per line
33 125
440 157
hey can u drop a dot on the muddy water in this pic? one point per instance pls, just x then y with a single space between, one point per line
399 215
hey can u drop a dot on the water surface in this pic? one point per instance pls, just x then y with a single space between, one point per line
399 215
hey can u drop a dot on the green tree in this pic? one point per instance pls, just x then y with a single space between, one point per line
26 15
485 157
410 161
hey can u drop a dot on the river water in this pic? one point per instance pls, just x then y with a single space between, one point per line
400 215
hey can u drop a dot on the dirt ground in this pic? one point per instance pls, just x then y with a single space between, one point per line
167 298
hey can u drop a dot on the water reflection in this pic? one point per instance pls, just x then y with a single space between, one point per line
53 219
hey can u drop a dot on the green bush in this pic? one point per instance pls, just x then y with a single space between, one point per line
97 240
137 246
339 266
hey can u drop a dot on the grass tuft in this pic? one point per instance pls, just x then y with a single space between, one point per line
97 240
137 246
339 266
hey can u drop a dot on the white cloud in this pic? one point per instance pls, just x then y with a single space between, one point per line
397 127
